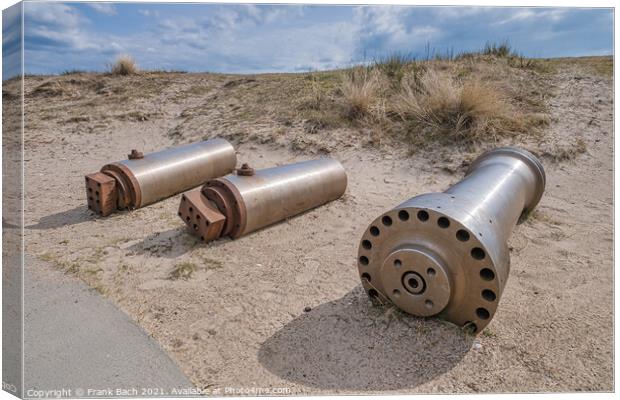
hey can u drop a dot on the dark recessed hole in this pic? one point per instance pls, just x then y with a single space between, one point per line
187 218
195 227
422 215
462 235
487 274
490 222
97 193
90 198
374 231
488 295
90 190
403 215
428 304
198 216
183 199
89 207
99 185
413 283
97 201
364 260
207 222
191 209
387 221
373 293
470 327
366 244
443 222
477 253
202 238
431 272
396 293
366 276
179 213
397 263
482 313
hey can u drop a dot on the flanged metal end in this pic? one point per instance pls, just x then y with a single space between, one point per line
446 254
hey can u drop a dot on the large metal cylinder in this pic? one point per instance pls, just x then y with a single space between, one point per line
235 205
446 254
145 179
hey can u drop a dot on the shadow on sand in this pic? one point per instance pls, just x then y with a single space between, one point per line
350 345
73 216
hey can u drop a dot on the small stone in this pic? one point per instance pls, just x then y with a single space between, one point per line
307 309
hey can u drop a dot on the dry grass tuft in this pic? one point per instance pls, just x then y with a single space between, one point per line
359 89
124 65
437 106
183 270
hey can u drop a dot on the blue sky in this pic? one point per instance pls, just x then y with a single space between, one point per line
287 38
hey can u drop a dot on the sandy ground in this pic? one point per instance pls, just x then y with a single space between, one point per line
239 321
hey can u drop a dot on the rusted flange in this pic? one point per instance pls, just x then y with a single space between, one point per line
245 170
135 155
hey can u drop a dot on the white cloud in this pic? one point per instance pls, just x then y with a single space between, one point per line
104 8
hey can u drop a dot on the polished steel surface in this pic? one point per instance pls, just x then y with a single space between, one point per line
446 253
273 194
171 171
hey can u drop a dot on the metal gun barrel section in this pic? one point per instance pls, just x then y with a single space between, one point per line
235 205
142 180
446 253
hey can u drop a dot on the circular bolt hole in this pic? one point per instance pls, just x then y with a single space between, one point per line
195 227
96 193
202 238
187 218
396 293
198 216
462 235
488 295
482 313
367 244
397 263
183 199
191 209
403 215
99 185
487 274
443 222
374 231
423 215
366 276
207 222
387 221
90 198
413 283
90 190
428 304
373 293
478 253
364 260
431 272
